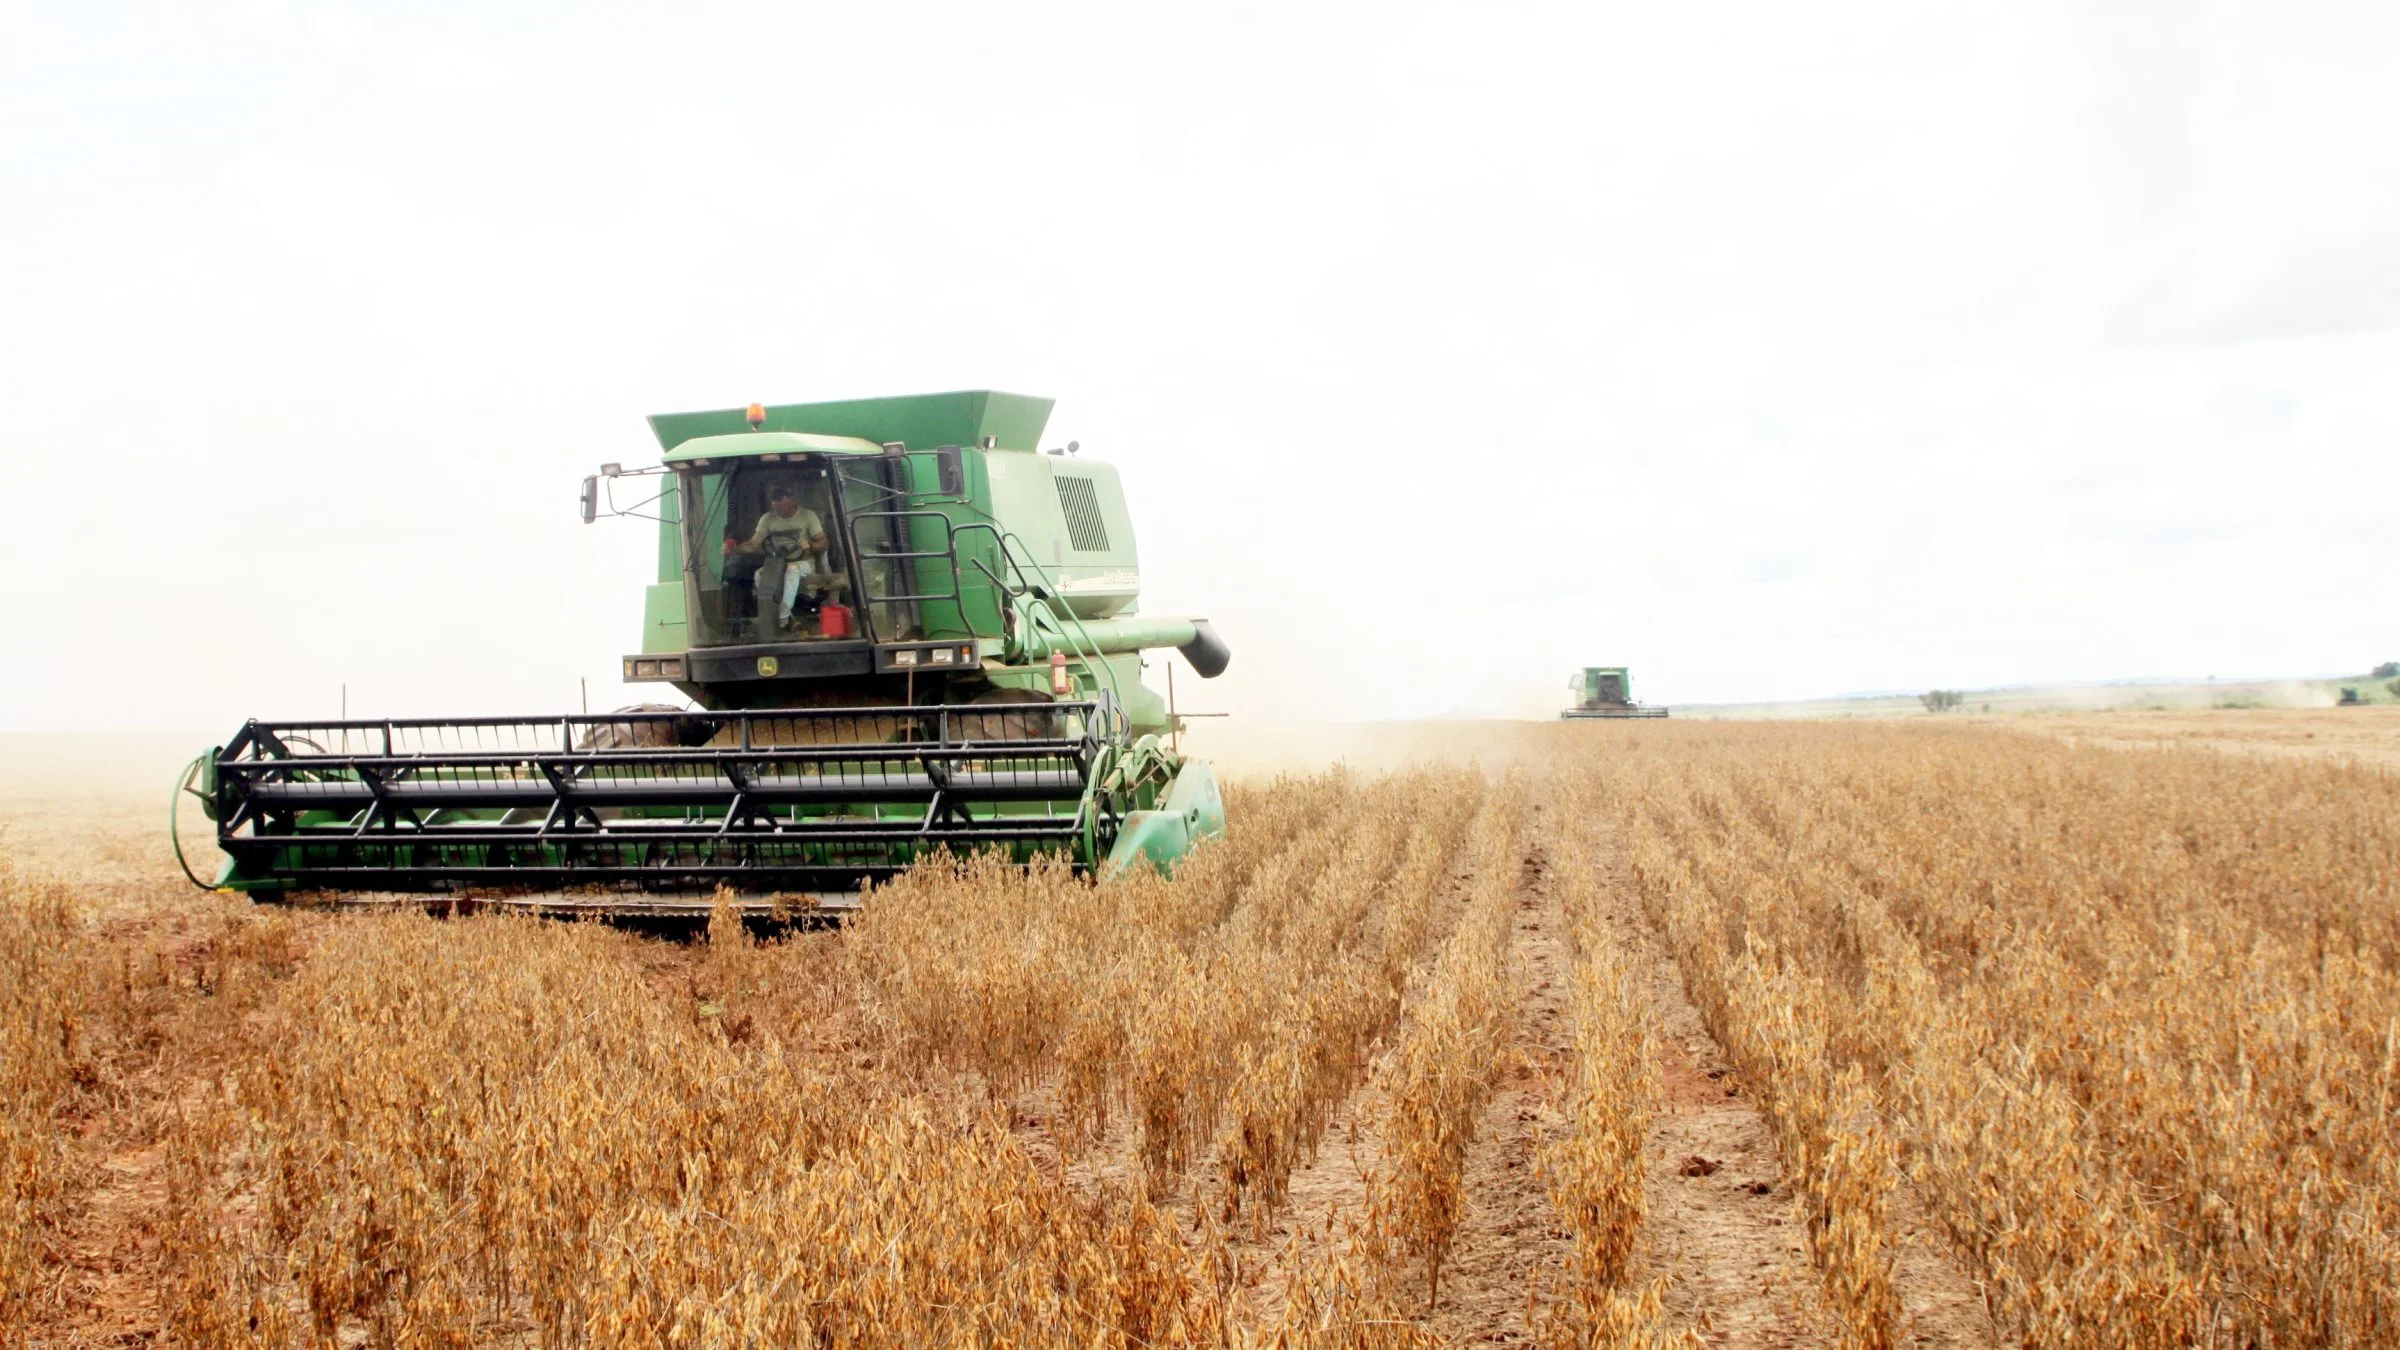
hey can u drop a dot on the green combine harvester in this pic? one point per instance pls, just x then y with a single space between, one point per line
905 629
1605 691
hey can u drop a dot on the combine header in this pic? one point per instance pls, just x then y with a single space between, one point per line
905 629
1605 691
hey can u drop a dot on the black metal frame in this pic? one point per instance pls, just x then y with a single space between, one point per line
911 556
789 800
843 654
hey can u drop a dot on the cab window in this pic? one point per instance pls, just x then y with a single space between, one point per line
765 558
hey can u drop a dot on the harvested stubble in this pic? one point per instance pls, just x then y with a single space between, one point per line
100 1033
40 978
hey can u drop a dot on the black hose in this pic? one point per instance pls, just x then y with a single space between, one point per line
183 784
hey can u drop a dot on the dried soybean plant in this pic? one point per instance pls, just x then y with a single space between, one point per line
1777 1024
489 1128
1594 1169
1017 974
2127 1024
1227 1011
1337 984
2127 1018
1440 1073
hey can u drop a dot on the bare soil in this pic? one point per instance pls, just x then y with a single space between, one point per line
1723 1230
1327 1194
1511 1249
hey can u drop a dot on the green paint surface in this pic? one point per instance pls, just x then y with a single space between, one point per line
1190 810
662 620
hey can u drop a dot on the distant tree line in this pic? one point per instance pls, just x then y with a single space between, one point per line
1941 700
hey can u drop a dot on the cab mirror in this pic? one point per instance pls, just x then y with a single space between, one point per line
591 500
950 471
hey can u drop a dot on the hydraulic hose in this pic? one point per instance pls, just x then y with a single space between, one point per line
183 784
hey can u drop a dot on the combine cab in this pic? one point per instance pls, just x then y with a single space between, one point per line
905 632
1605 691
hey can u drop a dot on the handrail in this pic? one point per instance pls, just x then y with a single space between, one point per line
949 550
1089 651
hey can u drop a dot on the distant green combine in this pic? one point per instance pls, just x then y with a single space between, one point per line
1605 691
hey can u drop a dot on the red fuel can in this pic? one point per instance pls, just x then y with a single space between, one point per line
834 619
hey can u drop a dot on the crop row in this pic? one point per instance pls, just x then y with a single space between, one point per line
2128 1024
2122 1029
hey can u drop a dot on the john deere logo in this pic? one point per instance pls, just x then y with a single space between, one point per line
767 667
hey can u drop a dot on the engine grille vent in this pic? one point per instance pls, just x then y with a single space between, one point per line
1086 532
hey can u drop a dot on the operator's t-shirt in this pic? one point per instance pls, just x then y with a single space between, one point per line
784 536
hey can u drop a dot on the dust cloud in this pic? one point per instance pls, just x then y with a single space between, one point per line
1264 749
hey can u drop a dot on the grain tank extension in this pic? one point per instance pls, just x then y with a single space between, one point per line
901 628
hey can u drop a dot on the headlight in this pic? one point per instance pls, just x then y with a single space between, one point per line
671 669
645 670
943 656
905 657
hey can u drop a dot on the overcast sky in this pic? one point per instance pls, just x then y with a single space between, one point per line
1773 351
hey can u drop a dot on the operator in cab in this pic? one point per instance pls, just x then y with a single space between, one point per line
790 545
